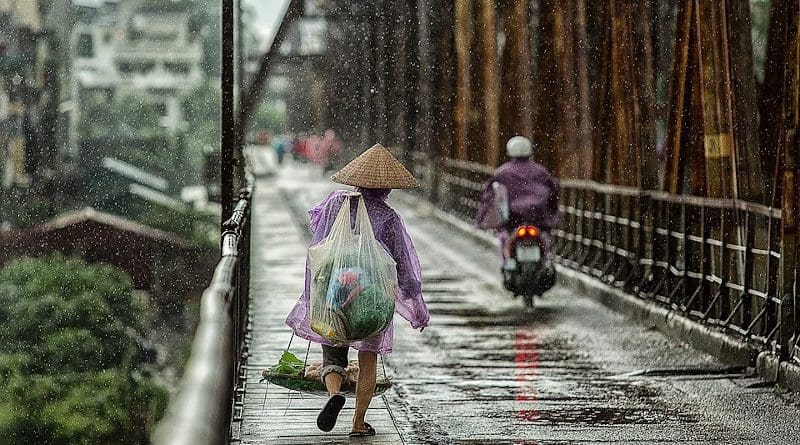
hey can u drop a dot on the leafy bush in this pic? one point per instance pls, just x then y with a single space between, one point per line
68 364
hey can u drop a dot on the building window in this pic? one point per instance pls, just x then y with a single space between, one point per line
161 108
135 66
177 67
162 92
85 45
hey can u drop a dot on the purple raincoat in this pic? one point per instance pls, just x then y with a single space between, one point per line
532 195
391 233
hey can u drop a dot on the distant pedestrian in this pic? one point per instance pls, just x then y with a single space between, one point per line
300 149
279 144
374 173
314 152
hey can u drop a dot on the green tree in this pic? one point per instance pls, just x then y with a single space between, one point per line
69 366
268 117
201 110
123 117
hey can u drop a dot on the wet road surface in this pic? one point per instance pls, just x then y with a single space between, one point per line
569 371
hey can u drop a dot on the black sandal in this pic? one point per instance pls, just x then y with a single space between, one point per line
369 432
326 419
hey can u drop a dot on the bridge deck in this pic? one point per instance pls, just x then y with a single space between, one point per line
271 413
485 371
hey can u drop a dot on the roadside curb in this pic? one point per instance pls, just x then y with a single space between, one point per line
772 369
672 324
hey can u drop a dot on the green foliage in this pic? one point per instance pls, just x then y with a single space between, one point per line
288 364
24 208
67 359
201 109
127 117
205 25
188 224
129 129
269 118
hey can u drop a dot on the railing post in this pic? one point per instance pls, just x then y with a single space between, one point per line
787 335
227 118
746 297
434 194
640 272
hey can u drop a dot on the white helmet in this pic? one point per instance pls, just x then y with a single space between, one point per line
519 147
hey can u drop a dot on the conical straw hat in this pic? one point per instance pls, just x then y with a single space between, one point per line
376 168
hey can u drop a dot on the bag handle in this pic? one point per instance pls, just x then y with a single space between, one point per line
341 224
363 223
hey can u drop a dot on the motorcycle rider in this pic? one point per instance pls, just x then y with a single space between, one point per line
532 195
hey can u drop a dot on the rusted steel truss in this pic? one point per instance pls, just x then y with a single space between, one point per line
625 137
711 145
783 147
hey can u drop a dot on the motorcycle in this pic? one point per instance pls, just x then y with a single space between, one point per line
527 270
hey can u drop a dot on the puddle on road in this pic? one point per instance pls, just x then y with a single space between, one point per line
476 318
595 415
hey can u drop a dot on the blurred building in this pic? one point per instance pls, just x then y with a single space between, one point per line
157 264
296 85
141 47
22 90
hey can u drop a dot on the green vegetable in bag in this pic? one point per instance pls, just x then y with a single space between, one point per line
369 313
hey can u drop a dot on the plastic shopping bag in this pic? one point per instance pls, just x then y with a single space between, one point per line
353 279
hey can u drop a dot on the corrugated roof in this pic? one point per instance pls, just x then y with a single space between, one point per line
90 214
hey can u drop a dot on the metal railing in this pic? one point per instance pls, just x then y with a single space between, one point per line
211 391
454 185
715 261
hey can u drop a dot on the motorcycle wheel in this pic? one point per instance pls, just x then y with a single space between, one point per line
526 283
528 300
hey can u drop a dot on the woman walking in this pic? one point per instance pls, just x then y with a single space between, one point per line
373 174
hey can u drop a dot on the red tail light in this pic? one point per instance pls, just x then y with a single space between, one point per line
527 232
